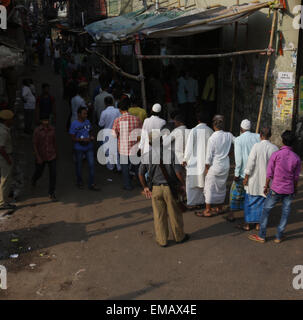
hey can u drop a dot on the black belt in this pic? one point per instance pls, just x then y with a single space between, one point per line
160 184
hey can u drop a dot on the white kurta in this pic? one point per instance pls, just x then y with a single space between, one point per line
194 156
176 141
218 148
257 165
153 122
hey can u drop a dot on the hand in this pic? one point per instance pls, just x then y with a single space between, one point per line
266 190
183 190
92 138
236 179
184 164
85 140
245 182
147 193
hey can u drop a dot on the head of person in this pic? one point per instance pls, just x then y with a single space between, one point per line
108 101
26 82
82 89
7 117
45 88
117 94
245 126
179 120
44 121
156 109
288 138
218 122
265 133
82 114
136 101
202 117
124 105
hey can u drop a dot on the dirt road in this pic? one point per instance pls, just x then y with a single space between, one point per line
100 245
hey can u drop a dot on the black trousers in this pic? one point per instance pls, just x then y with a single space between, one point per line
52 174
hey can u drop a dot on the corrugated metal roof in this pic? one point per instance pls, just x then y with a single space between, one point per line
168 23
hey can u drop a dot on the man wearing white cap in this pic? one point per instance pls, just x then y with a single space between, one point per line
152 123
243 145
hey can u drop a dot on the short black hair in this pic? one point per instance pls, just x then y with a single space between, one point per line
124 104
108 101
80 109
202 116
288 138
266 132
179 117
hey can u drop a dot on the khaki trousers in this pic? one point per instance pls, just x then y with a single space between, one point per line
165 207
6 180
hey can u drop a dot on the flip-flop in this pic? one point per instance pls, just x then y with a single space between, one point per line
202 215
244 227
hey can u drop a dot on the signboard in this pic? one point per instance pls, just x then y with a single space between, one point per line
285 80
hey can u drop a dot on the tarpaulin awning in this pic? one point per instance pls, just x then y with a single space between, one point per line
168 23
10 57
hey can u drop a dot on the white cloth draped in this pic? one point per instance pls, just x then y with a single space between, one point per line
218 148
257 165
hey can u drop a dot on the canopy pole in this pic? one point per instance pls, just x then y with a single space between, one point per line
114 55
207 56
141 72
267 69
234 78
114 67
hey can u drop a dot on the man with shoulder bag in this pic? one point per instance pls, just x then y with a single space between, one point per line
163 188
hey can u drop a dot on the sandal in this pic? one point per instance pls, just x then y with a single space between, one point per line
201 214
244 227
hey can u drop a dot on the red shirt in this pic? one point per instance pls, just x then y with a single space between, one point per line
123 128
45 142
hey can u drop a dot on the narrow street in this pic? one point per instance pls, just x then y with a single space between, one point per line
100 245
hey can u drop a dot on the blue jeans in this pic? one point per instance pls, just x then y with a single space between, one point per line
127 184
272 199
91 164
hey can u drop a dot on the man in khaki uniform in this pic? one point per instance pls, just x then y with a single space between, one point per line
6 164
165 207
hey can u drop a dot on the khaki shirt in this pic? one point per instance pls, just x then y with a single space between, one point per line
5 138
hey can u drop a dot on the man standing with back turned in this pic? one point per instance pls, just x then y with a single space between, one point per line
283 170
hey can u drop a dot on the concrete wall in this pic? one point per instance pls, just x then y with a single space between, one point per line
254 34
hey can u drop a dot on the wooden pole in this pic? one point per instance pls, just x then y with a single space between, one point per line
114 67
141 72
267 69
233 101
202 56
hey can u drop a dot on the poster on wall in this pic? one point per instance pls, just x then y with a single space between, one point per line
284 100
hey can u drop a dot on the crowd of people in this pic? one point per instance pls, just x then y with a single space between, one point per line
177 159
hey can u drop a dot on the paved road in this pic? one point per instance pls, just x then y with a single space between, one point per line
100 245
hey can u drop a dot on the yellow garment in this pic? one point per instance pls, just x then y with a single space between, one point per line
166 208
138 112
210 86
